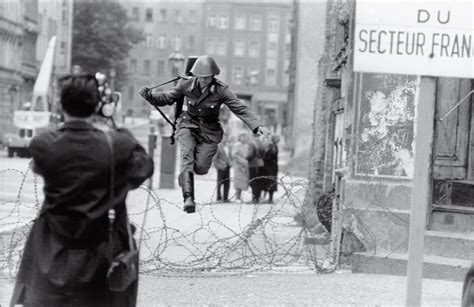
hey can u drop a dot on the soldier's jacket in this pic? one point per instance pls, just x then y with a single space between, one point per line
201 110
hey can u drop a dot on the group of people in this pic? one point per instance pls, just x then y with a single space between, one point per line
254 163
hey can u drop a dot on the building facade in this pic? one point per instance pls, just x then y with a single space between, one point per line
11 37
25 30
250 42
167 27
364 124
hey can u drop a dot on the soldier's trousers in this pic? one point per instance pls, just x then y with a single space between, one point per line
196 154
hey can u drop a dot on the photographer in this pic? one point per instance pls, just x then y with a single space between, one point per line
68 251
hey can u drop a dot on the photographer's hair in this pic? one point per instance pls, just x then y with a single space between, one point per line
79 94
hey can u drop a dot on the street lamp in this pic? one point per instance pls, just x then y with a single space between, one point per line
168 151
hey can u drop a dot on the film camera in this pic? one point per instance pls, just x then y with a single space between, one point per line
109 101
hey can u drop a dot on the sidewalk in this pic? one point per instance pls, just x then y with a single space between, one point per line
283 289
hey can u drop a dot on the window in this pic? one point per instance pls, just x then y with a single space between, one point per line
162 15
221 47
191 42
272 49
255 23
223 22
254 49
64 15
240 23
179 17
253 75
135 14
62 48
148 40
192 16
270 78
211 46
149 15
161 68
237 75
273 24
212 20
162 41
133 65
239 48
286 72
177 43
147 67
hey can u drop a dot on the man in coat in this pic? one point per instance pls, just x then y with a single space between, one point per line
199 128
67 253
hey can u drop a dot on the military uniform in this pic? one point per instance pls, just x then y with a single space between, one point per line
199 128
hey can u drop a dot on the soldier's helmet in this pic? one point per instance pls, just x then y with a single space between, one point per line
205 66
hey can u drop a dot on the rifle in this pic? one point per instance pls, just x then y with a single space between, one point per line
179 104
178 109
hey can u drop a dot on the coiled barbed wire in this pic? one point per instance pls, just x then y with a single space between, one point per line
249 237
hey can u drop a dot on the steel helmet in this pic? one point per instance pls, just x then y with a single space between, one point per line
205 66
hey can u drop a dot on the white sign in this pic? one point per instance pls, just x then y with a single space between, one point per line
31 119
415 38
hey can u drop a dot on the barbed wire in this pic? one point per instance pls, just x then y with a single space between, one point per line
236 239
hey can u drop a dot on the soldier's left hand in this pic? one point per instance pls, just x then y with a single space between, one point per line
262 131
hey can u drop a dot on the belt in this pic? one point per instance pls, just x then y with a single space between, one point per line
208 120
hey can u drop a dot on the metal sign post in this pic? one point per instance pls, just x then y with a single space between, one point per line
424 126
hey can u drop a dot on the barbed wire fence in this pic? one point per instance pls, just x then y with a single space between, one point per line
242 238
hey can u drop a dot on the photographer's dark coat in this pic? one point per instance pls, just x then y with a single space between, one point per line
200 116
67 252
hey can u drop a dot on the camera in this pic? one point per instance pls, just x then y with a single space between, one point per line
109 101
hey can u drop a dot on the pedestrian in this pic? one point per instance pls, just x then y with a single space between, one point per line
222 163
240 166
199 128
254 157
68 252
270 166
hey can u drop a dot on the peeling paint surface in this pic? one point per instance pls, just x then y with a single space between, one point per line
384 140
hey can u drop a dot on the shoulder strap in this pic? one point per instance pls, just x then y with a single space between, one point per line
131 246
111 160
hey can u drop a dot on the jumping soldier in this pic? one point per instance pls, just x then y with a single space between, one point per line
199 129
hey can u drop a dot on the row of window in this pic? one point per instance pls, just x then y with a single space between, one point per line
163 16
249 77
241 48
147 67
254 23
176 41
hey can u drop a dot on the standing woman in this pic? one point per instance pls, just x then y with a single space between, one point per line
270 165
241 165
68 251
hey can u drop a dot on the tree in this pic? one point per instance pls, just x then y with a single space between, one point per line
102 38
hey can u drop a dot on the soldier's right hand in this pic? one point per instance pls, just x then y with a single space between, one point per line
144 92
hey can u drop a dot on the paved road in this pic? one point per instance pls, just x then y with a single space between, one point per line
283 289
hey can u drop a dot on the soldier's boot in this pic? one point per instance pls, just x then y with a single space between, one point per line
186 181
